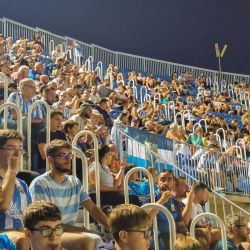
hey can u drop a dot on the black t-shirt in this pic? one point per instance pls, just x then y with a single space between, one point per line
233 128
244 131
41 138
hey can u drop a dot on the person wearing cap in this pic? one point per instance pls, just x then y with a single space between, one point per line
135 122
35 74
85 113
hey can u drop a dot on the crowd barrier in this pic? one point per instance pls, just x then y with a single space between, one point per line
215 217
84 180
181 165
122 60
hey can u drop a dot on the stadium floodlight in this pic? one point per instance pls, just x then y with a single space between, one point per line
220 55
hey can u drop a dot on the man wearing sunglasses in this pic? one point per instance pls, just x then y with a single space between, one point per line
42 226
67 192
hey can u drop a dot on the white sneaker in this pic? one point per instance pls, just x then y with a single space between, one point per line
219 189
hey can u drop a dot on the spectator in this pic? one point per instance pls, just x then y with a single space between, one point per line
61 104
94 96
195 138
237 232
15 194
129 226
145 185
189 129
35 74
41 219
22 73
103 89
71 102
24 100
201 195
15 47
173 133
60 82
142 113
44 79
101 106
55 184
83 118
71 129
135 122
56 117
187 243
111 194
56 53
78 50
49 95
164 197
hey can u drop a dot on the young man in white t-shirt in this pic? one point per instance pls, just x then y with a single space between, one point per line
56 53
94 96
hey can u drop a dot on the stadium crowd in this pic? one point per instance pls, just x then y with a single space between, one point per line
43 215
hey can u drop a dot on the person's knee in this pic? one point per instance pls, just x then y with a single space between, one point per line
203 243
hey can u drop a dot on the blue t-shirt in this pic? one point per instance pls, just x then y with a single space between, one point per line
146 188
6 243
230 245
173 206
135 188
33 73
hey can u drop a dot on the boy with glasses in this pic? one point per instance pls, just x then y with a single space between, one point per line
129 226
42 226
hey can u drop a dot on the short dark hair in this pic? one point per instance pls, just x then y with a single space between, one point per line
77 86
54 112
122 116
176 180
42 88
47 90
69 124
40 211
129 167
52 147
103 150
199 186
103 99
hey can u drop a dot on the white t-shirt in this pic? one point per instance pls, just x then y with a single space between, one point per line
121 95
72 111
94 98
196 210
106 178
59 83
56 54
78 118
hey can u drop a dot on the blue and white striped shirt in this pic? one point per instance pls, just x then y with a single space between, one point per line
142 113
17 99
12 218
65 110
68 196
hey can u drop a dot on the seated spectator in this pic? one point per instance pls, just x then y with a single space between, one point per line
71 102
60 82
94 96
56 117
145 185
181 133
173 132
24 100
195 138
13 191
164 197
237 233
15 47
135 122
201 195
101 106
83 118
129 226
35 74
187 243
111 194
134 187
22 73
56 53
40 220
189 129
71 129
228 143
55 184
61 104
142 113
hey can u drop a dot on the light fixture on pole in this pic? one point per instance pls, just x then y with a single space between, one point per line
220 55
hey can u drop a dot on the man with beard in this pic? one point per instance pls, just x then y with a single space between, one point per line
164 197
85 114
180 191
67 192
237 232
200 198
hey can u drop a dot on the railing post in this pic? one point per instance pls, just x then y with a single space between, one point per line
5 97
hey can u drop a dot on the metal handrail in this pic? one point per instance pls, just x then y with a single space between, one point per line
134 93
205 123
84 180
159 98
89 62
215 217
189 116
224 135
51 47
171 223
244 146
219 140
78 61
110 78
196 124
29 129
96 155
147 98
133 82
179 113
168 114
146 92
101 75
5 96
151 185
70 53
209 81
19 121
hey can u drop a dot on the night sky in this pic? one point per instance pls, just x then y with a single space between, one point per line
182 31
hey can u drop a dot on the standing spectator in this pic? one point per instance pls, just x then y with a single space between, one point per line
78 50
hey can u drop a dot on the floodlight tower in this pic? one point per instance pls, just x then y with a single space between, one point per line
220 55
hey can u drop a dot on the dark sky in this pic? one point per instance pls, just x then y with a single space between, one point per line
182 31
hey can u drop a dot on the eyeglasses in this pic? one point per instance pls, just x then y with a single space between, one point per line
241 225
14 150
30 86
65 156
146 233
47 232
